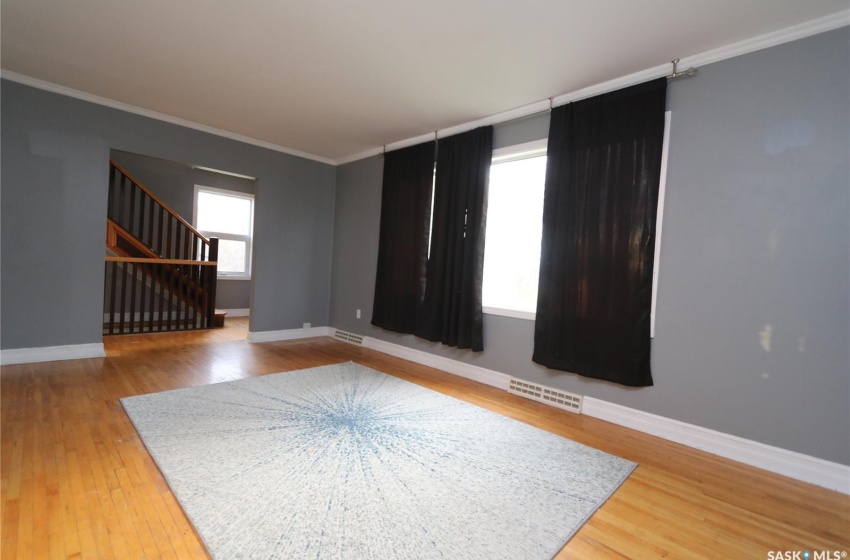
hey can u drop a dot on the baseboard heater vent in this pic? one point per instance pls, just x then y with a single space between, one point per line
546 395
348 337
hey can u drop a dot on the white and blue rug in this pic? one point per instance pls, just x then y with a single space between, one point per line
343 461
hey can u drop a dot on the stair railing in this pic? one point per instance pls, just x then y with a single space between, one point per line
163 274
135 208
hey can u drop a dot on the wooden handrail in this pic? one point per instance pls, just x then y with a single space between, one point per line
159 201
160 261
113 229
174 290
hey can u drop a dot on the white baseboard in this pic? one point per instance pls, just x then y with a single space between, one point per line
820 472
461 369
51 353
287 334
775 459
241 312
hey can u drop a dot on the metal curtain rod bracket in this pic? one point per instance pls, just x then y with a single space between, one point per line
677 73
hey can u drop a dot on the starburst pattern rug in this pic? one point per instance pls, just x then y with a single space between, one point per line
343 461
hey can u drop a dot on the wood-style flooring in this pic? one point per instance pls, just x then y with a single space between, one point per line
77 481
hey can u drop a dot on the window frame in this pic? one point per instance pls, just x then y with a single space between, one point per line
516 152
659 219
538 148
248 239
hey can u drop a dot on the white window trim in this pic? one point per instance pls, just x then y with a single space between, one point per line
514 313
516 152
659 220
537 148
249 239
520 151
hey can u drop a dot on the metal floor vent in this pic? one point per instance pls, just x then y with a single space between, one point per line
348 337
546 395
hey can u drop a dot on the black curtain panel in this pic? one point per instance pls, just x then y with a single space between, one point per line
451 311
594 296
403 241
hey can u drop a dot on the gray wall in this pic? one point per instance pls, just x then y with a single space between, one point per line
756 239
174 183
54 175
233 294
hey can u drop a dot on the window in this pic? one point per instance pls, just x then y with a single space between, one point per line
228 215
514 229
659 219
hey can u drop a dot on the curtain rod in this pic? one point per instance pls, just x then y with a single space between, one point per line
546 105
686 73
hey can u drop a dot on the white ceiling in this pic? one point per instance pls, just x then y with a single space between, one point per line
334 78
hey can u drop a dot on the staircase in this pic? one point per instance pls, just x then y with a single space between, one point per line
160 272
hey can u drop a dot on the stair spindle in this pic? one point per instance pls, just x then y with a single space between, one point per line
176 295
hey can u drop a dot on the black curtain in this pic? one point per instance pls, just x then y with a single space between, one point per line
451 311
403 241
594 296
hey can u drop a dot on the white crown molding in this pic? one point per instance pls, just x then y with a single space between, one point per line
517 113
377 151
807 29
51 353
91 98
288 334
827 474
793 33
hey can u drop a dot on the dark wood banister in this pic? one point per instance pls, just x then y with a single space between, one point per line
159 201
187 278
159 261
114 231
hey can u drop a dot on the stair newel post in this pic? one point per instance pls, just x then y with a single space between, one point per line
212 277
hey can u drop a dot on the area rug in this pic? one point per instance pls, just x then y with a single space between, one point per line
343 461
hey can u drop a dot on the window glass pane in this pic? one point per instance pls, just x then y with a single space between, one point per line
231 256
514 228
225 214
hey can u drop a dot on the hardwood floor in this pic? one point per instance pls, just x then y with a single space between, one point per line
78 483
